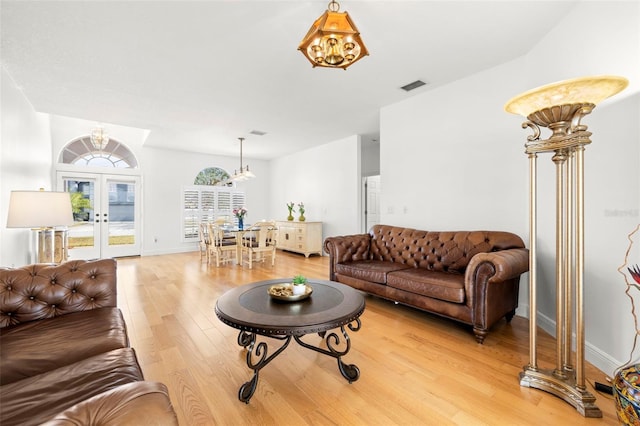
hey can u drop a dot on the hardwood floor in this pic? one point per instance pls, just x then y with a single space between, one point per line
416 368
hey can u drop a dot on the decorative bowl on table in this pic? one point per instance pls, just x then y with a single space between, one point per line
285 293
626 392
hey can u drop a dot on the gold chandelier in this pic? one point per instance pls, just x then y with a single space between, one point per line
99 138
333 41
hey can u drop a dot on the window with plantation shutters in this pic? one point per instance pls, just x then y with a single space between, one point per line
190 213
205 204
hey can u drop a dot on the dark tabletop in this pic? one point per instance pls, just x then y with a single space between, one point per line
250 308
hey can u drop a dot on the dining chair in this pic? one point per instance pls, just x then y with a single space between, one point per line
223 249
258 243
222 220
203 234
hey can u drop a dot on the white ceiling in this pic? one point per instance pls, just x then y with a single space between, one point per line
200 74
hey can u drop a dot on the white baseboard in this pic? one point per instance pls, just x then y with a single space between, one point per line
168 251
592 354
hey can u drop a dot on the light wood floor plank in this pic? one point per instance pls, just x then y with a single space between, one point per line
416 368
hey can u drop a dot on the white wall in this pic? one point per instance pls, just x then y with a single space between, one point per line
612 211
327 179
25 164
596 37
371 159
167 171
451 158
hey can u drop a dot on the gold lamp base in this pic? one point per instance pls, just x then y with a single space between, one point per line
566 388
49 245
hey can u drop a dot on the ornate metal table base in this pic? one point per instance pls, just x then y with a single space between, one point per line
258 354
565 388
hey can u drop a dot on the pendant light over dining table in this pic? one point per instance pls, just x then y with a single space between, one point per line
244 173
333 41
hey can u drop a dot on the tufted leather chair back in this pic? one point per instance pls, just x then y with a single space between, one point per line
436 251
40 291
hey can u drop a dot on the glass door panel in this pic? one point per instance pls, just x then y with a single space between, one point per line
83 235
106 212
122 230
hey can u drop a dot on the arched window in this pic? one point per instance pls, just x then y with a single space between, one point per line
81 152
213 176
211 197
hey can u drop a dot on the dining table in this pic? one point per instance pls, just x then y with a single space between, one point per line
237 233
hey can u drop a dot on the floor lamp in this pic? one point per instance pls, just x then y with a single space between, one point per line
560 107
42 211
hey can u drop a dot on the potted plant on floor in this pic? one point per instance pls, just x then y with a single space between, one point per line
299 285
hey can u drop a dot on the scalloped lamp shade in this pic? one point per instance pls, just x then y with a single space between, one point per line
583 90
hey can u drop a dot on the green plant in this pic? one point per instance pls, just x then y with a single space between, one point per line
299 280
78 202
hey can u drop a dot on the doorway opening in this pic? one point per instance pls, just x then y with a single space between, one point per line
371 202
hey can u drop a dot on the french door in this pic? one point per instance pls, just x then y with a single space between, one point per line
106 212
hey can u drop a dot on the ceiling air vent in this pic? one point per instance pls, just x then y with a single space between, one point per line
413 85
258 133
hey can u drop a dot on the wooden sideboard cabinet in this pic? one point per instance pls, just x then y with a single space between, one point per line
300 237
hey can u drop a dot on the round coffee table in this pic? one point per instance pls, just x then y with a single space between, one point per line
254 312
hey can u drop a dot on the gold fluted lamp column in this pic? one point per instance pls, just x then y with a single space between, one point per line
560 107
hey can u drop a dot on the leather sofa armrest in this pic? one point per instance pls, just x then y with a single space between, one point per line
491 286
136 403
507 264
346 248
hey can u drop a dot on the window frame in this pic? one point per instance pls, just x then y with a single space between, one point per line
206 204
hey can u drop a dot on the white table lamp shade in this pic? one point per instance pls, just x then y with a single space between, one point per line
39 209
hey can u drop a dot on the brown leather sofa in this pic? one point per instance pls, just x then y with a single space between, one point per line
469 276
64 351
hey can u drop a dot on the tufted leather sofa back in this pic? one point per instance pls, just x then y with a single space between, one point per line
436 251
40 291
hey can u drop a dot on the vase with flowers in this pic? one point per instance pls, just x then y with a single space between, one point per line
240 214
291 211
301 210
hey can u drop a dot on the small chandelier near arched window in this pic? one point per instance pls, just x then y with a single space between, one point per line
99 138
83 152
